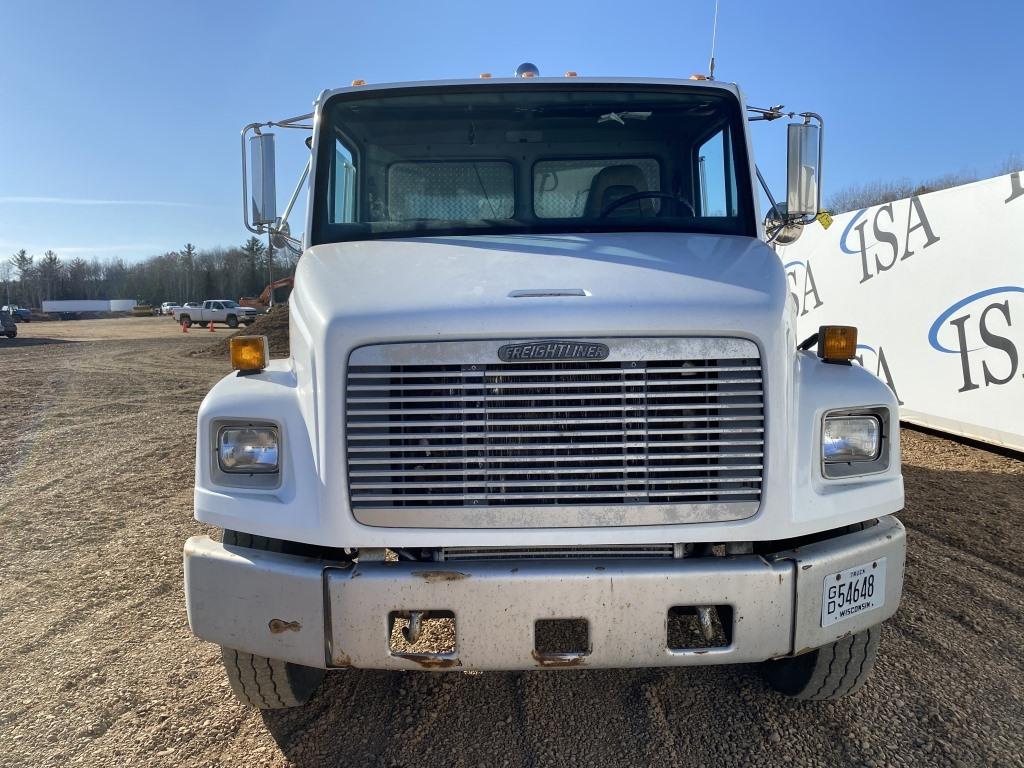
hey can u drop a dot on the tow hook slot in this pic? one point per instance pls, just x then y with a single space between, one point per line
561 642
426 637
699 627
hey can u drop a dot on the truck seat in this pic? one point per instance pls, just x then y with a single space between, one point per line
613 183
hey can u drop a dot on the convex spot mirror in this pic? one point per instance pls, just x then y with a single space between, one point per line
803 178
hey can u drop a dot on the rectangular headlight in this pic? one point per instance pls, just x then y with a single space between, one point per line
248 449
850 439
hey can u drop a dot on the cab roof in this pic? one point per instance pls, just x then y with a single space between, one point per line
485 83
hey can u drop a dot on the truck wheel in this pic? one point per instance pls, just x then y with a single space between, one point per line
186 321
11 334
202 324
232 321
269 683
828 673
257 680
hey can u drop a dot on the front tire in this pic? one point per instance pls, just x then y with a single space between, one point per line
256 680
827 673
269 683
232 321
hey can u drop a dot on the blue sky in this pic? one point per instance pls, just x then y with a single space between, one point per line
119 122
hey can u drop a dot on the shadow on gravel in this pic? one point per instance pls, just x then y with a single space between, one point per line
22 341
526 719
980 512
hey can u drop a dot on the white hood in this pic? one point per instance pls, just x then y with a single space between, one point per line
459 287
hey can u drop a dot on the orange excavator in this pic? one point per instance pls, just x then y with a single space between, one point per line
262 302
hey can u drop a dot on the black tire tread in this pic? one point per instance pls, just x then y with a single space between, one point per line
266 683
830 672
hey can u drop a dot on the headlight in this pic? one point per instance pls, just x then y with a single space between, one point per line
855 442
247 449
851 438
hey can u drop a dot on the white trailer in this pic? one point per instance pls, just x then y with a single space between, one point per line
66 307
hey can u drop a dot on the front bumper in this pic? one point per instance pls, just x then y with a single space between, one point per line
325 615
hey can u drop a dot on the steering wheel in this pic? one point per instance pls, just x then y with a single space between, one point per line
643 196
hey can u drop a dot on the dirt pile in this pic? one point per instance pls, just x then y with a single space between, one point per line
273 325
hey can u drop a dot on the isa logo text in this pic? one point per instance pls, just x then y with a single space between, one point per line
986 331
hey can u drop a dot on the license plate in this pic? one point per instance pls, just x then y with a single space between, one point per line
851 592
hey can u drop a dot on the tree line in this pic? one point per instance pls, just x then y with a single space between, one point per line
874 193
188 274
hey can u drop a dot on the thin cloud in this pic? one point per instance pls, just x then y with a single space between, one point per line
25 200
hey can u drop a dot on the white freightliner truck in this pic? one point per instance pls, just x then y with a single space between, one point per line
545 407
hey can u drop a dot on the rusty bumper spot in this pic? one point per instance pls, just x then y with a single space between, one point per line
558 659
277 626
342 661
430 660
433 576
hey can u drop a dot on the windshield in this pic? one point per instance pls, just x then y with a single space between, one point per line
523 159
228 304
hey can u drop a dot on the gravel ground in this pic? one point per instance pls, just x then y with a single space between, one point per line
97 665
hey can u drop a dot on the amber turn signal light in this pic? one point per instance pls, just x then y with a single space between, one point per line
249 354
837 343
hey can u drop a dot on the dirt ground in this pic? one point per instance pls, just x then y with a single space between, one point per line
98 667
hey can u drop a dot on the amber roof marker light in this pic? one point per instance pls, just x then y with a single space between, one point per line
249 354
837 343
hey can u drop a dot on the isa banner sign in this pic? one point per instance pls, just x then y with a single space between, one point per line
935 286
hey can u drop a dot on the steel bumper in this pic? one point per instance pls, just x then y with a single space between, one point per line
305 611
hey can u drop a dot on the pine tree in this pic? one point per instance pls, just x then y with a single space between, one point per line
253 250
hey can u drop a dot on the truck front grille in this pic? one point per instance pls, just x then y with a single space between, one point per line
613 433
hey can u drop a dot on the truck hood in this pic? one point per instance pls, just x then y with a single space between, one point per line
465 287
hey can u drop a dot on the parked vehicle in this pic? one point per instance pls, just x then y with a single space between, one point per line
18 314
544 400
168 307
7 326
216 311
262 302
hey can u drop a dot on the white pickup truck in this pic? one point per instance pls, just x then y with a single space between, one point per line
215 311
545 406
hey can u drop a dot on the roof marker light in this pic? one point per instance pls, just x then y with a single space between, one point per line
358 82
837 343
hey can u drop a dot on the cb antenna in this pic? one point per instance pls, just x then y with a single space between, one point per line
714 36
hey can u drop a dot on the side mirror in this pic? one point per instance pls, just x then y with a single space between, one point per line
803 179
264 188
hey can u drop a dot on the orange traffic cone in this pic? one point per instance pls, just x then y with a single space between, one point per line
211 327
184 328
